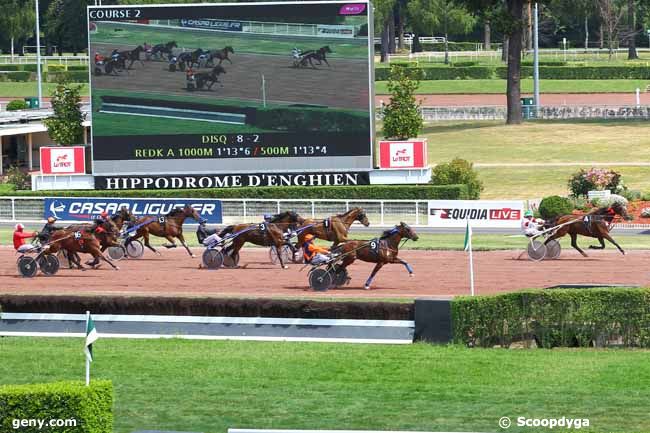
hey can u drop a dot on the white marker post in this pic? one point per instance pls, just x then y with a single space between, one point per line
263 91
468 247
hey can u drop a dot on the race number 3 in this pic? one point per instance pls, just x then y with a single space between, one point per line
161 220
262 226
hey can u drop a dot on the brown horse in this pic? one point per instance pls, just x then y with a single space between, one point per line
381 251
221 55
267 233
334 228
169 227
73 241
595 224
130 56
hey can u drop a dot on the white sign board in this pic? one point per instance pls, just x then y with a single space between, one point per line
481 213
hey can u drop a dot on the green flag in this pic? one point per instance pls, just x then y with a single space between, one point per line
91 337
468 237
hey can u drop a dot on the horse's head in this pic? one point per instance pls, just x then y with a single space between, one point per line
190 212
407 232
138 49
620 208
229 49
325 49
361 217
172 44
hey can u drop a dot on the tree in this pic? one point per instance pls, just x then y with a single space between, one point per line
17 20
384 13
611 12
441 16
458 172
402 118
65 127
67 24
632 30
575 10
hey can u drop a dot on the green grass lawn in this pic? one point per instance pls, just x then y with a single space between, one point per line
495 86
242 43
539 142
210 386
21 90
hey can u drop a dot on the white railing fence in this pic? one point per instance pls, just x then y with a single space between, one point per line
379 212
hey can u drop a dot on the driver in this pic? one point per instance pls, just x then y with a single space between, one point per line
295 52
205 235
20 235
312 253
48 229
99 59
530 225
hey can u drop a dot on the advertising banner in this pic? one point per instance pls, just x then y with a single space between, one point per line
63 160
335 31
84 209
481 213
403 154
226 26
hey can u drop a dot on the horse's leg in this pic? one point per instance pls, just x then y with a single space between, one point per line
278 247
574 243
98 255
601 247
171 244
372 275
182 239
326 62
72 255
609 238
145 236
228 58
405 263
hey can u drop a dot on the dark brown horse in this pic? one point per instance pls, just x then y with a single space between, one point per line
381 251
161 49
169 227
209 79
221 54
78 241
267 233
595 224
334 228
130 56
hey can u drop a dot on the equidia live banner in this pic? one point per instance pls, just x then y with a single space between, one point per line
84 209
480 213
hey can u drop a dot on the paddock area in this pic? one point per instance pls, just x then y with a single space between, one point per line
437 274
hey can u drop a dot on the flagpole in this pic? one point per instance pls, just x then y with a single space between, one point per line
471 264
87 360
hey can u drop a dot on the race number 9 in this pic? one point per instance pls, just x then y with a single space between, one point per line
373 245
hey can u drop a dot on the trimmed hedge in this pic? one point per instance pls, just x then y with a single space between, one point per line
453 46
72 76
11 68
78 68
30 67
16 104
231 307
444 73
464 64
378 192
566 318
55 68
582 72
19 76
545 63
91 406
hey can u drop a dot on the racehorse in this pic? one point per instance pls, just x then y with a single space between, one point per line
78 240
169 227
212 77
163 48
381 251
132 56
124 215
595 224
320 55
221 54
334 228
264 234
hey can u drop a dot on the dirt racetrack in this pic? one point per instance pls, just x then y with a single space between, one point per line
437 273
343 85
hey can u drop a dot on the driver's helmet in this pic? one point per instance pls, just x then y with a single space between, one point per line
528 214
51 219
104 214
19 227
267 217
309 237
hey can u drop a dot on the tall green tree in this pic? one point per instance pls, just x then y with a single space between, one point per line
402 118
384 19
441 16
66 126
632 30
17 20
611 13
67 25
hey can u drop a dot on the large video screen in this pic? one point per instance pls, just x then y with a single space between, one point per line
251 87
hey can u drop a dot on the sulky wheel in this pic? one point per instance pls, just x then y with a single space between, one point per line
116 252
49 264
62 256
212 259
341 277
134 249
231 260
285 250
536 251
27 266
320 279
553 249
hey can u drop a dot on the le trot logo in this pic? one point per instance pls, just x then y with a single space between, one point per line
401 154
62 160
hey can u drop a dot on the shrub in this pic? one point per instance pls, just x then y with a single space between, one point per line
11 68
614 198
55 68
443 73
555 206
464 64
69 76
19 76
78 68
402 118
91 406
16 104
17 178
576 317
458 171
631 194
545 63
595 179
30 67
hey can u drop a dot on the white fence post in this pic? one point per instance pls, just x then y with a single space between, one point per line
244 212
279 207
381 213
313 209
417 213
13 209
